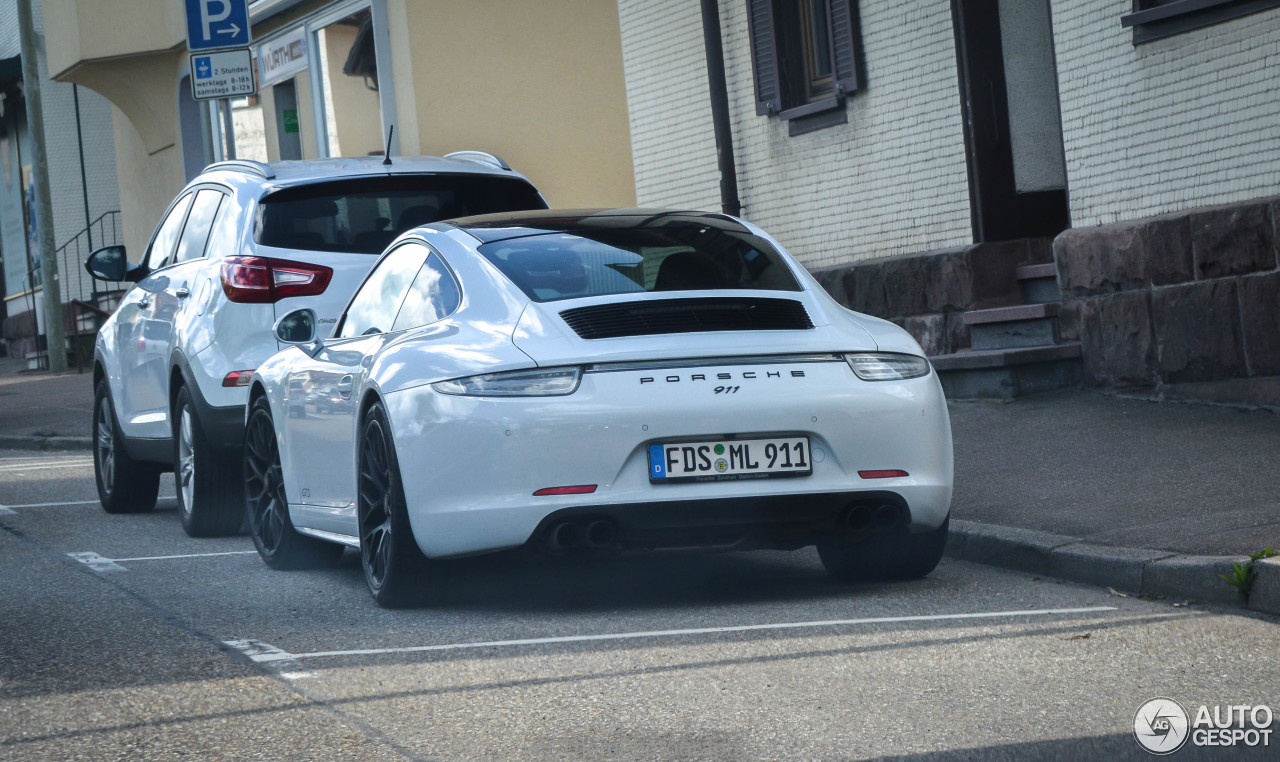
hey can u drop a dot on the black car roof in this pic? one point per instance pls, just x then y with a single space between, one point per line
498 227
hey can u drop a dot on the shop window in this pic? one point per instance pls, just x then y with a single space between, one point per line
1157 19
806 57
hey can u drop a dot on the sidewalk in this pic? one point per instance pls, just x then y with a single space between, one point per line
42 411
1145 497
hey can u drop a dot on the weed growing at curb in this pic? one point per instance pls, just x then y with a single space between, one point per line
1242 575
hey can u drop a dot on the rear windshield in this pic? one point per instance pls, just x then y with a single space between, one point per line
363 215
685 257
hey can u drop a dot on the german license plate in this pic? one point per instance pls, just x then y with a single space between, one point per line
729 459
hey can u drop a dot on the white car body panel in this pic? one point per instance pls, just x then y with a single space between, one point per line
470 465
349 270
484 501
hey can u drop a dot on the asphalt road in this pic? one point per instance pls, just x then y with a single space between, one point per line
159 646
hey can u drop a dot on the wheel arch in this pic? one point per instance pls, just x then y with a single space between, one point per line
256 390
371 397
179 376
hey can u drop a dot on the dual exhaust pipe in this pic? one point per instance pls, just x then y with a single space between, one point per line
594 534
864 518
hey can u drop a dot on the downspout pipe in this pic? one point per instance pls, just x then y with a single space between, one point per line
729 201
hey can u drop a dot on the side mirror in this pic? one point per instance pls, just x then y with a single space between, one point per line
111 264
297 327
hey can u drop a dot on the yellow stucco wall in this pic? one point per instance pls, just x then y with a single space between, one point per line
356 107
538 83
148 182
85 30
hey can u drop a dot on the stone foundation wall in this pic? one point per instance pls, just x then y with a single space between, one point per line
926 293
1182 298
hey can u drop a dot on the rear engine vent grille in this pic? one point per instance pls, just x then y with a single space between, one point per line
647 318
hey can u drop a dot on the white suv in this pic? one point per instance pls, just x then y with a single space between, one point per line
243 245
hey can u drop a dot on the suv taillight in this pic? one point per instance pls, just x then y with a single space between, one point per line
259 280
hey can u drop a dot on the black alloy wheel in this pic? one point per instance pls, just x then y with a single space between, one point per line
266 505
889 556
394 567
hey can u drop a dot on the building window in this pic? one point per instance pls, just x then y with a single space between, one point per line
806 55
1157 19
815 34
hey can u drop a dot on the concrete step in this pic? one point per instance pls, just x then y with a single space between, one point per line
1025 325
1005 373
1039 283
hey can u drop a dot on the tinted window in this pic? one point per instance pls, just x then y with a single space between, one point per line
196 232
226 226
365 214
374 307
161 251
433 295
675 257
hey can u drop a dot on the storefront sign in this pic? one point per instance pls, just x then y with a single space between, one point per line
283 57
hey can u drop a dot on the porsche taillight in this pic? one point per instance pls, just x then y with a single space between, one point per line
261 280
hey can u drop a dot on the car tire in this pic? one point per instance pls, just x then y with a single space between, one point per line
394 567
267 508
897 555
209 482
124 484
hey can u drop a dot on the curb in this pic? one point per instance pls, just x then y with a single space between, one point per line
45 443
1129 570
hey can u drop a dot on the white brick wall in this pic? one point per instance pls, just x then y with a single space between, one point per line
672 143
1190 120
890 181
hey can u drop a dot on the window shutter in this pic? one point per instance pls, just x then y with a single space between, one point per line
764 56
844 45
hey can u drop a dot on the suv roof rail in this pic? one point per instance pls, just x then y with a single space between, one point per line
243 165
480 157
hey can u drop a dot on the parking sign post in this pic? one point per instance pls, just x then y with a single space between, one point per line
213 24
222 74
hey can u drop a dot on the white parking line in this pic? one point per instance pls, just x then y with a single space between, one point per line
262 652
97 563
188 555
22 469
101 563
4 511
53 505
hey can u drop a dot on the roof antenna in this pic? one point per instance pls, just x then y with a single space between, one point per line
386 155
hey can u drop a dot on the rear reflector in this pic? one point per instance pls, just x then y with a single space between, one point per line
260 280
890 474
237 378
581 489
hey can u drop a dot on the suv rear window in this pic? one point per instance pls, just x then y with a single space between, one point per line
674 257
363 215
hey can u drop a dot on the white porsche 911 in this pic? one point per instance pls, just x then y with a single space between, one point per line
595 381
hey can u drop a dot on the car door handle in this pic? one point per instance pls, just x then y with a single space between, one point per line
144 303
182 293
344 387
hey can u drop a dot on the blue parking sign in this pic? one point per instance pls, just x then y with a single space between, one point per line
215 24
203 67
